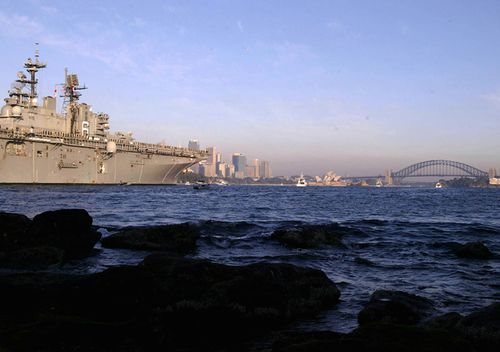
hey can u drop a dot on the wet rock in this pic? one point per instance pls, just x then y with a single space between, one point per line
313 236
179 238
395 307
315 341
164 303
363 261
12 229
473 250
40 242
377 338
446 321
483 327
32 258
68 229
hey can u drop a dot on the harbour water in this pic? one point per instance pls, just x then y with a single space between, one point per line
406 234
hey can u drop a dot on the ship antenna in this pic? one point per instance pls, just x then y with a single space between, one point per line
32 68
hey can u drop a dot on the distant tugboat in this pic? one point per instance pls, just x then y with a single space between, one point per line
439 185
302 181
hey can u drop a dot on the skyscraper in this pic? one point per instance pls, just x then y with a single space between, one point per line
239 162
218 169
193 144
229 170
264 169
211 167
256 168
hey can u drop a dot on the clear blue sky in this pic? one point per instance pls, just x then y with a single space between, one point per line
350 86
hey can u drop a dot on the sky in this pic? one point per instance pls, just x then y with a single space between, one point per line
356 87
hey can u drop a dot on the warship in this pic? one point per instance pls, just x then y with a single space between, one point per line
39 145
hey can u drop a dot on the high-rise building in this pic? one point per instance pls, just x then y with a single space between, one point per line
250 171
211 155
193 144
229 170
264 169
210 167
218 161
256 167
239 162
221 169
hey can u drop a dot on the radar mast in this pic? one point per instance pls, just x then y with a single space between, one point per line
71 96
32 68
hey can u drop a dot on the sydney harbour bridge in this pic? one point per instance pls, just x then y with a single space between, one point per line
429 168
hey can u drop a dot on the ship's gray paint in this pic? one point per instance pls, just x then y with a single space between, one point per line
37 145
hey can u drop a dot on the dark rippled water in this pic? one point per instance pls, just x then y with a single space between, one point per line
406 232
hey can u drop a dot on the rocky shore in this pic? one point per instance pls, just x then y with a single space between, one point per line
171 301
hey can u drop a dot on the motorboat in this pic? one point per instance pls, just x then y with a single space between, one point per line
302 181
201 185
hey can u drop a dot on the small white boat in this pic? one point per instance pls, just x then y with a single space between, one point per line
201 185
302 181
379 183
221 183
439 185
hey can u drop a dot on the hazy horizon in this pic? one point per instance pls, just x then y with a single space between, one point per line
351 86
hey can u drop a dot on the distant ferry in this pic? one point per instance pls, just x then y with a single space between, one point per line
439 185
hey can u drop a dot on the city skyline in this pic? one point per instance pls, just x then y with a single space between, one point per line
353 87
237 166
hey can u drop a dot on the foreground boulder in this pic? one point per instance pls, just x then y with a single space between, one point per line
473 250
313 236
163 303
41 242
376 338
395 307
12 230
68 229
39 257
483 327
179 238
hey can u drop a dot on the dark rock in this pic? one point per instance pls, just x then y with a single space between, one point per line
68 229
12 229
390 337
363 261
395 307
473 250
180 238
32 258
313 236
446 321
483 327
40 242
315 341
164 303
376 338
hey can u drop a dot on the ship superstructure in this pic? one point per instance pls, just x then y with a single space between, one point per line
40 145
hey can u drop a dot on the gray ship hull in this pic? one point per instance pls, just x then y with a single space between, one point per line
39 161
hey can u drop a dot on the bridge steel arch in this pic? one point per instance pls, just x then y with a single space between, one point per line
438 168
